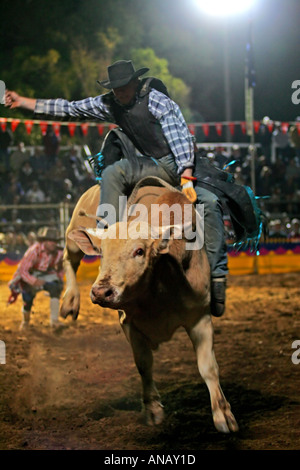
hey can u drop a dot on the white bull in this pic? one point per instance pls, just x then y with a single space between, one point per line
158 286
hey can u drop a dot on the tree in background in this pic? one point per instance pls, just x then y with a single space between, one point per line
159 68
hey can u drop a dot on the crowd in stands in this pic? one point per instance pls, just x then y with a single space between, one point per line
49 175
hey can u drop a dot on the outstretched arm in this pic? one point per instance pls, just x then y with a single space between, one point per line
91 108
13 100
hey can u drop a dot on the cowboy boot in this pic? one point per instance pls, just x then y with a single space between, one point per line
54 313
26 319
218 296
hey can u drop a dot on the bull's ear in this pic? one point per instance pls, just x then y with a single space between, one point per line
88 243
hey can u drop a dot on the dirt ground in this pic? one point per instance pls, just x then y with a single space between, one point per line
79 388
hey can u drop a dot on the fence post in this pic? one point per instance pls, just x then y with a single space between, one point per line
62 220
2 352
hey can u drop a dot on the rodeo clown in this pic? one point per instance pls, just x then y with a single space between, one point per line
40 269
151 123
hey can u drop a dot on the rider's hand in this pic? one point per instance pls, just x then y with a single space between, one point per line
12 99
188 189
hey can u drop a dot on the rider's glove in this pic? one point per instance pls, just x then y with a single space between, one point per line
188 188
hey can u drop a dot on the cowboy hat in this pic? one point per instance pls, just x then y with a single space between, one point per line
49 233
121 73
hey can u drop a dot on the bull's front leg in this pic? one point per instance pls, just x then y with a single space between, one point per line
143 357
71 299
202 338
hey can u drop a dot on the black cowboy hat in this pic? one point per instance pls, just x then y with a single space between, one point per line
48 233
120 73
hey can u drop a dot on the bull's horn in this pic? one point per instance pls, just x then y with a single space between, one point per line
82 213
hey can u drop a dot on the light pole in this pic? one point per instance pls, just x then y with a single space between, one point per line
224 9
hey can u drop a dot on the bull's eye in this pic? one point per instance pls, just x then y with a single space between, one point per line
138 252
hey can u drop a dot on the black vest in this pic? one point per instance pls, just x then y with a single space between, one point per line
139 124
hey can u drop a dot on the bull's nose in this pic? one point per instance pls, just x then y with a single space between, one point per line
102 294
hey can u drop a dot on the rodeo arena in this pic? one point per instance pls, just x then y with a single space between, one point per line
170 325
81 376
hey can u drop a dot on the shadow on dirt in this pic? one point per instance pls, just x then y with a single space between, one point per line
188 424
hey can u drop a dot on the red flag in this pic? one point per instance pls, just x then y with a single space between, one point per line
219 128
3 124
231 127
192 128
243 127
28 125
298 127
56 128
256 125
270 126
72 128
100 129
84 128
112 126
43 126
284 127
14 124
205 128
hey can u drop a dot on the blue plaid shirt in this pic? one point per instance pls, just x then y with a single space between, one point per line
163 109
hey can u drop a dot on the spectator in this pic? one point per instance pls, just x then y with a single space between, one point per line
238 176
265 138
295 138
295 229
38 163
5 141
13 192
35 195
18 157
276 229
31 238
51 147
27 175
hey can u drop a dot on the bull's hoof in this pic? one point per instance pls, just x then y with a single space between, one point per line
225 421
154 413
70 306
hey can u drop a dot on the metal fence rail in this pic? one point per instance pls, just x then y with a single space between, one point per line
62 213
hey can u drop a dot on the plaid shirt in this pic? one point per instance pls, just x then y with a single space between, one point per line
37 258
163 109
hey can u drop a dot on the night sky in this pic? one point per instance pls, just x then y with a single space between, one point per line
193 44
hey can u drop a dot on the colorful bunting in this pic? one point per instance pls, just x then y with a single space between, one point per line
100 129
3 124
103 128
192 128
56 128
205 128
231 126
28 125
219 128
72 128
84 128
14 124
43 126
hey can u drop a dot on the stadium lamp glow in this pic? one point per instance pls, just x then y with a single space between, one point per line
224 7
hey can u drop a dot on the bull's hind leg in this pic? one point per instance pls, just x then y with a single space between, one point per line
143 357
71 299
202 338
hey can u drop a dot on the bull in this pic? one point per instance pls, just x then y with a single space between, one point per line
157 286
